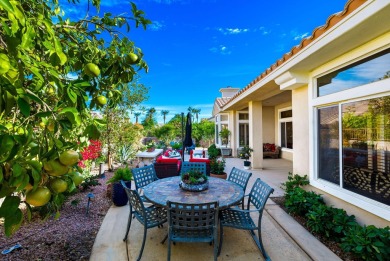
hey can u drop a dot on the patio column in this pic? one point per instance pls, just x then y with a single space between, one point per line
256 133
233 130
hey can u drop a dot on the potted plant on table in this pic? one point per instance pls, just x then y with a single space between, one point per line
245 154
119 197
194 181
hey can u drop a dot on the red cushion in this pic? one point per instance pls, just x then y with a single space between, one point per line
161 160
200 160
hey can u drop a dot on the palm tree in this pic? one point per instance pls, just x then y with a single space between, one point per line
164 114
196 112
151 112
136 114
191 110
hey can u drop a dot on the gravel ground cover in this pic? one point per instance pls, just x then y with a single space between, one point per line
70 237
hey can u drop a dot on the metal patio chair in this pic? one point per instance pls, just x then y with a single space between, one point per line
149 217
142 177
241 219
241 178
194 166
192 223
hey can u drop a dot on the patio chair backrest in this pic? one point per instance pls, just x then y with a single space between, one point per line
144 176
193 166
136 204
240 177
193 217
259 194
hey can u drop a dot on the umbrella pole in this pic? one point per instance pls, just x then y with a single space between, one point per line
182 136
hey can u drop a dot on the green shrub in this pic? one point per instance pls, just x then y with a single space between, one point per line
299 201
124 174
213 151
333 223
368 242
294 181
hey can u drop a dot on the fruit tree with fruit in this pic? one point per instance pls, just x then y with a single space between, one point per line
53 72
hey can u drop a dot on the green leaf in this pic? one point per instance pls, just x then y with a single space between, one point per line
6 5
1 174
72 95
72 114
12 223
6 28
43 114
9 206
100 122
36 165
16 170
58 143
33 97
24 107
92 132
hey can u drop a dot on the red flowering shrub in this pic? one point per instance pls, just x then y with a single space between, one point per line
90 153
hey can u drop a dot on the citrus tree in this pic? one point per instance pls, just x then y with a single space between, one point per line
53 71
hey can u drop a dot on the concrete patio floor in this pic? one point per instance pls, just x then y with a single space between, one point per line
283 237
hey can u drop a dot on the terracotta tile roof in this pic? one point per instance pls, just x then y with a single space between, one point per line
222 101
349 7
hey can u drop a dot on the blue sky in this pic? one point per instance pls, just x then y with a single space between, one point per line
195 47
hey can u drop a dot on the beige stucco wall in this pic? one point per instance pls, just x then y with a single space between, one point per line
362 217
269 125
300 131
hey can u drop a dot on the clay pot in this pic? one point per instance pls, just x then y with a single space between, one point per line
220 176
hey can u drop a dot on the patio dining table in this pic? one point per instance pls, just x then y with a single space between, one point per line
226 192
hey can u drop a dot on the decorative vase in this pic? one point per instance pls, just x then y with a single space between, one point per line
223 175
194 187
119 197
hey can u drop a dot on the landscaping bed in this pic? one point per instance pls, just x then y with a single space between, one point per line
70 237
333 246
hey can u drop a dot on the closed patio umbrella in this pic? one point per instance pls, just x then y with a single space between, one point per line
188 135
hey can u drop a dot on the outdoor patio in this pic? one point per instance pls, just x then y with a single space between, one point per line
283 237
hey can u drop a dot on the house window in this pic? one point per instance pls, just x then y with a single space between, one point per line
221 122
368 70
286 129
328 140
243 129
363 147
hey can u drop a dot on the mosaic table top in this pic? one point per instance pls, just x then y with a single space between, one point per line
226 192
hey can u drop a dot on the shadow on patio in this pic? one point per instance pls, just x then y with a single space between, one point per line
283 237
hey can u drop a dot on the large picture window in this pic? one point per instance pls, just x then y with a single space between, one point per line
364 147
368 70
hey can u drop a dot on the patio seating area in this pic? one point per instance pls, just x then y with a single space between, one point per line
283 238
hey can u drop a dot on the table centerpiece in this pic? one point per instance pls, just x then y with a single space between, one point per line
194 181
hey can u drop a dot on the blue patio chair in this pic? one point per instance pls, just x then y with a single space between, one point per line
241 219
241 178
192 223
144 176
149 217
193 166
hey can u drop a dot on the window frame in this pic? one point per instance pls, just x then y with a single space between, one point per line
367 91
284 120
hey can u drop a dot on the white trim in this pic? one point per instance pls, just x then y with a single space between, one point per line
237 127
362 202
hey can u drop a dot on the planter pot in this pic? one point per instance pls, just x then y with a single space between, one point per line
247 164
226 151
150 149
119 197
192 187
220 176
